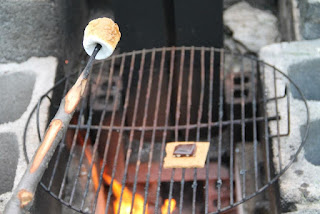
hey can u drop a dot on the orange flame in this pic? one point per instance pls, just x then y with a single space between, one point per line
164 208
116 188
101 203
126 198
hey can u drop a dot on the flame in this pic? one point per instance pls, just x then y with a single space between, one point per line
126 198
164 208
101 202
116 188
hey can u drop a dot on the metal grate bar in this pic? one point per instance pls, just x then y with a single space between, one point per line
190 98
96 143
125 108
177 118
177 115
187 123
243 138
277 113
209 128
266 133
143 125
194 185
131 133
254 112
86 141
180 127
172 58
288 114
146 51
162 62
200 110
219 181
182 190
191 66
99 78
231 141
79 166
109 133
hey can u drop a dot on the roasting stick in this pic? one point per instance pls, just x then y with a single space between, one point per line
100 39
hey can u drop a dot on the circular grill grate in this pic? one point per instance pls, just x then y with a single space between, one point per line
137 102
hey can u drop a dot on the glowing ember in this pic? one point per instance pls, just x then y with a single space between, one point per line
125 208
164 208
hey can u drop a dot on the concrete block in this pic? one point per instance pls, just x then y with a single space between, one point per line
29 28
16 90
307 76
310 18
37 75
305 210
251 27
312 147
9 154
299 186
261 4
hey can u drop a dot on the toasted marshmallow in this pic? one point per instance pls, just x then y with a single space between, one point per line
101 31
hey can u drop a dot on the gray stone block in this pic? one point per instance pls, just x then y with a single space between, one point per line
261 4
33 78
307 211
310 18
253 28
9 155
15 94
312 147
29 28
299 186
307 76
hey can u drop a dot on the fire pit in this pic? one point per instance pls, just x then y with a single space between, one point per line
111 159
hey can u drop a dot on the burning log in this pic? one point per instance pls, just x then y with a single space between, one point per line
100 37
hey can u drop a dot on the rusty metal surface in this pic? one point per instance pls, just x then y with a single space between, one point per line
163 95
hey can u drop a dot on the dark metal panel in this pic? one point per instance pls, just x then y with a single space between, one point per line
142 24
199 23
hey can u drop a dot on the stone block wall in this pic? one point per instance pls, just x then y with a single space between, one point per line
299 19
21 86
29 28
309 18
36 38
299 186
